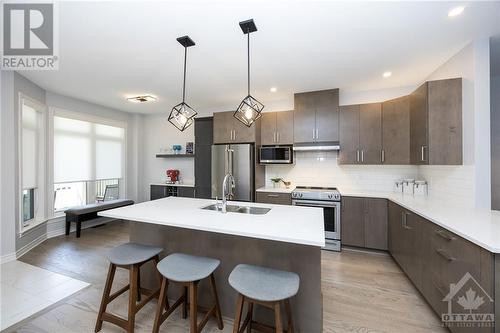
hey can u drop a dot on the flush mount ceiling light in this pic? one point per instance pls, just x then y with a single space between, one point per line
182 114
141 99
273 89
249 109
456 11
387 74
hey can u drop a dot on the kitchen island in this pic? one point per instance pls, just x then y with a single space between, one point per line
286 237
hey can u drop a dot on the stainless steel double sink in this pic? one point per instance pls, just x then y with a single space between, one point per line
239 209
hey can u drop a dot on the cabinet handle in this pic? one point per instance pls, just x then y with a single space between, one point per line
314 134
445 255
234 135
273 195
444 235
404 220
423 153
362 155
277 136
383 155
357 155
317 133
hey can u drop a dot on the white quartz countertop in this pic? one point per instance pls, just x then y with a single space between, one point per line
276 189
479 226
291 224
173 185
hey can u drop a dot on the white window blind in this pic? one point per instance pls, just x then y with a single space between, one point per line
87 151
30 129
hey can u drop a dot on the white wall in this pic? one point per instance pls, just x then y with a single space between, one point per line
158 133
469 182
495 142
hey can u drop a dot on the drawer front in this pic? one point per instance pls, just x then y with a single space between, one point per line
274 198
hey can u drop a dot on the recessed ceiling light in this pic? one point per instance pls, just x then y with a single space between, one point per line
456 11
273 89
387 74
141 99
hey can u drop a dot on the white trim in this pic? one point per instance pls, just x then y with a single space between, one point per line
31 245
8 257
58 112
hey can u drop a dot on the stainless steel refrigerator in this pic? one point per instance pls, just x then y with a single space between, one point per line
239 159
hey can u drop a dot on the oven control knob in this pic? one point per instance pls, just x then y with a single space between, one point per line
300 195
330 196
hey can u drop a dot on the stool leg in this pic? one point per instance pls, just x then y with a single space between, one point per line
156 260
277 317
138 284
105 296
250 317
185 303
237 315
161 304
288 310
218 314
193 307
134 270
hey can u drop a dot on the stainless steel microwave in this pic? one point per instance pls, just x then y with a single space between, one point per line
276 155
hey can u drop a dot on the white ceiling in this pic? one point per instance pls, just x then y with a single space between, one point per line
111 50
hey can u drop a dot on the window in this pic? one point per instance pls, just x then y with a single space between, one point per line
88 160
32 161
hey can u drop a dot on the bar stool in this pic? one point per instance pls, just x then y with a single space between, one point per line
187 270
130 256
263 286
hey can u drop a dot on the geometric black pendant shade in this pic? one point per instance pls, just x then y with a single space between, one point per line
249 109
182 115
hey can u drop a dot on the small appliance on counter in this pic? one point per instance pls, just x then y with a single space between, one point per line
420 187
408 186
172 176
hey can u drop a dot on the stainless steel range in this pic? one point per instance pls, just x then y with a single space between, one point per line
329 199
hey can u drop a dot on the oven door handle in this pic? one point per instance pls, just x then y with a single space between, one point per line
320 204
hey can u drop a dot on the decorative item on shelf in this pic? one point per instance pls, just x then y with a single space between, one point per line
287 184
189 148
182 115
172 176
177 149
276 181
249 109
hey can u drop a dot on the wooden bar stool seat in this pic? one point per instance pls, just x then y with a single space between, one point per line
130 256
187 270
263 286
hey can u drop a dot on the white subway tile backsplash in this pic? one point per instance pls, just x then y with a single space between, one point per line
445 183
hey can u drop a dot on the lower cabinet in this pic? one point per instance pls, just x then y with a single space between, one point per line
163 191
442 265
364 222
274 198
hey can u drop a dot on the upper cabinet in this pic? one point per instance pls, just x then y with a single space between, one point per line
396 131
436 123
316 116
228 129
361 134
277 128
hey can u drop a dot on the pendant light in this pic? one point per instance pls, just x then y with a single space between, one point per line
182 114
249 109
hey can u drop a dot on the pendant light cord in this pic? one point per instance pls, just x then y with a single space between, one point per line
248 57
184 84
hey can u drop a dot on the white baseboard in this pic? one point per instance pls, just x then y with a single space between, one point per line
31 245
8 257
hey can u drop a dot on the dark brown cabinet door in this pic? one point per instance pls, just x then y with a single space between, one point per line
243 133
370 133
274 198
268 128
223 127
186 192
327 115
349 134
376 224
284 127
445 122
395 234
396 131
412 229
157 192
419 146
353 221
304 118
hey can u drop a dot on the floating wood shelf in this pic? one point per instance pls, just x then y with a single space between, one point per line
173 155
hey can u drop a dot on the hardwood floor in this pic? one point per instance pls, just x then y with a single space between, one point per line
362 292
